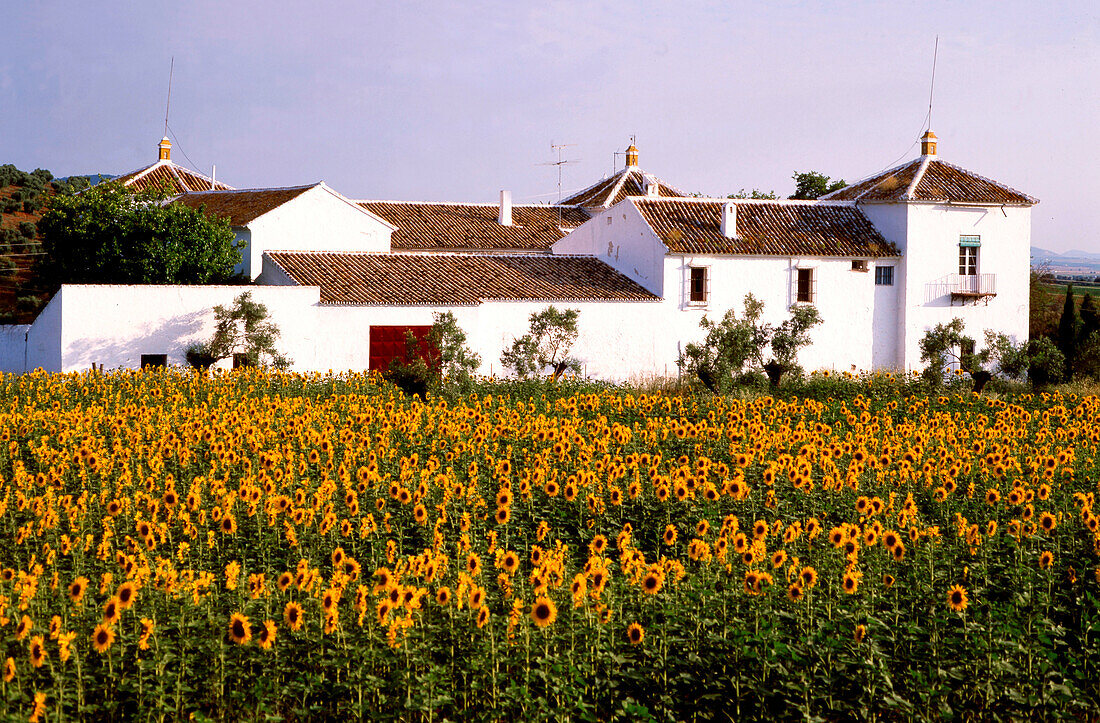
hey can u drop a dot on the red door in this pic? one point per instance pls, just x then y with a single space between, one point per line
388 343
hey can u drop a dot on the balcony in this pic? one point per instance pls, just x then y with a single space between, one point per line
974 287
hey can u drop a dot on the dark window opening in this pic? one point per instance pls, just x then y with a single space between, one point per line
698 293
884 276
859 265
805 291
242 361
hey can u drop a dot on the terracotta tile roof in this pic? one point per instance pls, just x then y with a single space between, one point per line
175 178
628 182
244 206
457 226
418 279
929 179
769 228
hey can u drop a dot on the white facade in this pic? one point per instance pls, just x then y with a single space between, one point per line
320 219
874 309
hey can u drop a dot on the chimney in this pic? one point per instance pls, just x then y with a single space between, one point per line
632 156
729 219
650 187
165 149
928 143
504 215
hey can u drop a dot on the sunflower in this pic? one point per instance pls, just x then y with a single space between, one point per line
890 539
888 581
55 627
598 545
24 627
125 595
38 651
443 595
502 515
293 616
808 576
1045 560
265 635
77 589
473 564
1048 522
482 616
850 583
112 611
859 633
779 559
510 562
544 612
240 632
957 598
102 637
635 634
669 537
794 592
9 670
284 581
383 611
653 581
702 528
147 627
898 552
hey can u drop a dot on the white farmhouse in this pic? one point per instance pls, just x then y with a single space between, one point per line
883 260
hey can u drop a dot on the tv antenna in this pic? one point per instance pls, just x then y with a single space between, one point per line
559 148
168 103
932 86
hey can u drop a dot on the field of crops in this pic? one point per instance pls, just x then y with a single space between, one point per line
276 547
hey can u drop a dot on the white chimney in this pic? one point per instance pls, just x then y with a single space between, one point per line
504 215
650 186
729 219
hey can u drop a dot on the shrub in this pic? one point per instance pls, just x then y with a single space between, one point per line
546 345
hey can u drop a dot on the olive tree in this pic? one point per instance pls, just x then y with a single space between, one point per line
546 345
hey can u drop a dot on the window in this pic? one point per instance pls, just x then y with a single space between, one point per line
884 276
805 290
859 265
697 286
968 255
241 361
154 360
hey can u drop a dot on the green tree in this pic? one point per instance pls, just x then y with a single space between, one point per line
243 328
754 194
546 345
942 344
735 346
1068 328
109 235
1046 363
809 185
788 338
457 362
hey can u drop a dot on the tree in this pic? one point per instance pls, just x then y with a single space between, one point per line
1068 328
736 345
457 361
1046 364
811 184
941 344
109 235
546 345
789 337
243 329
754 194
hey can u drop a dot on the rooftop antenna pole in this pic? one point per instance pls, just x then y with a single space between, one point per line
168 103
558 148
932 87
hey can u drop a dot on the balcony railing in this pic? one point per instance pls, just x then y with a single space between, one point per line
974 286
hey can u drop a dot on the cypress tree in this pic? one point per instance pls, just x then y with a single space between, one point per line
1068 327
1090 317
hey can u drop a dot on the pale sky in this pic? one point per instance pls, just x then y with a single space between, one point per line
455 101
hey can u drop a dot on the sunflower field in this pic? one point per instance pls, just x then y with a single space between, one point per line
280 547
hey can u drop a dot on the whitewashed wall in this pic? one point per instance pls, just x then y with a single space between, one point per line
114 325
13 347
621 237
317 220
933 256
